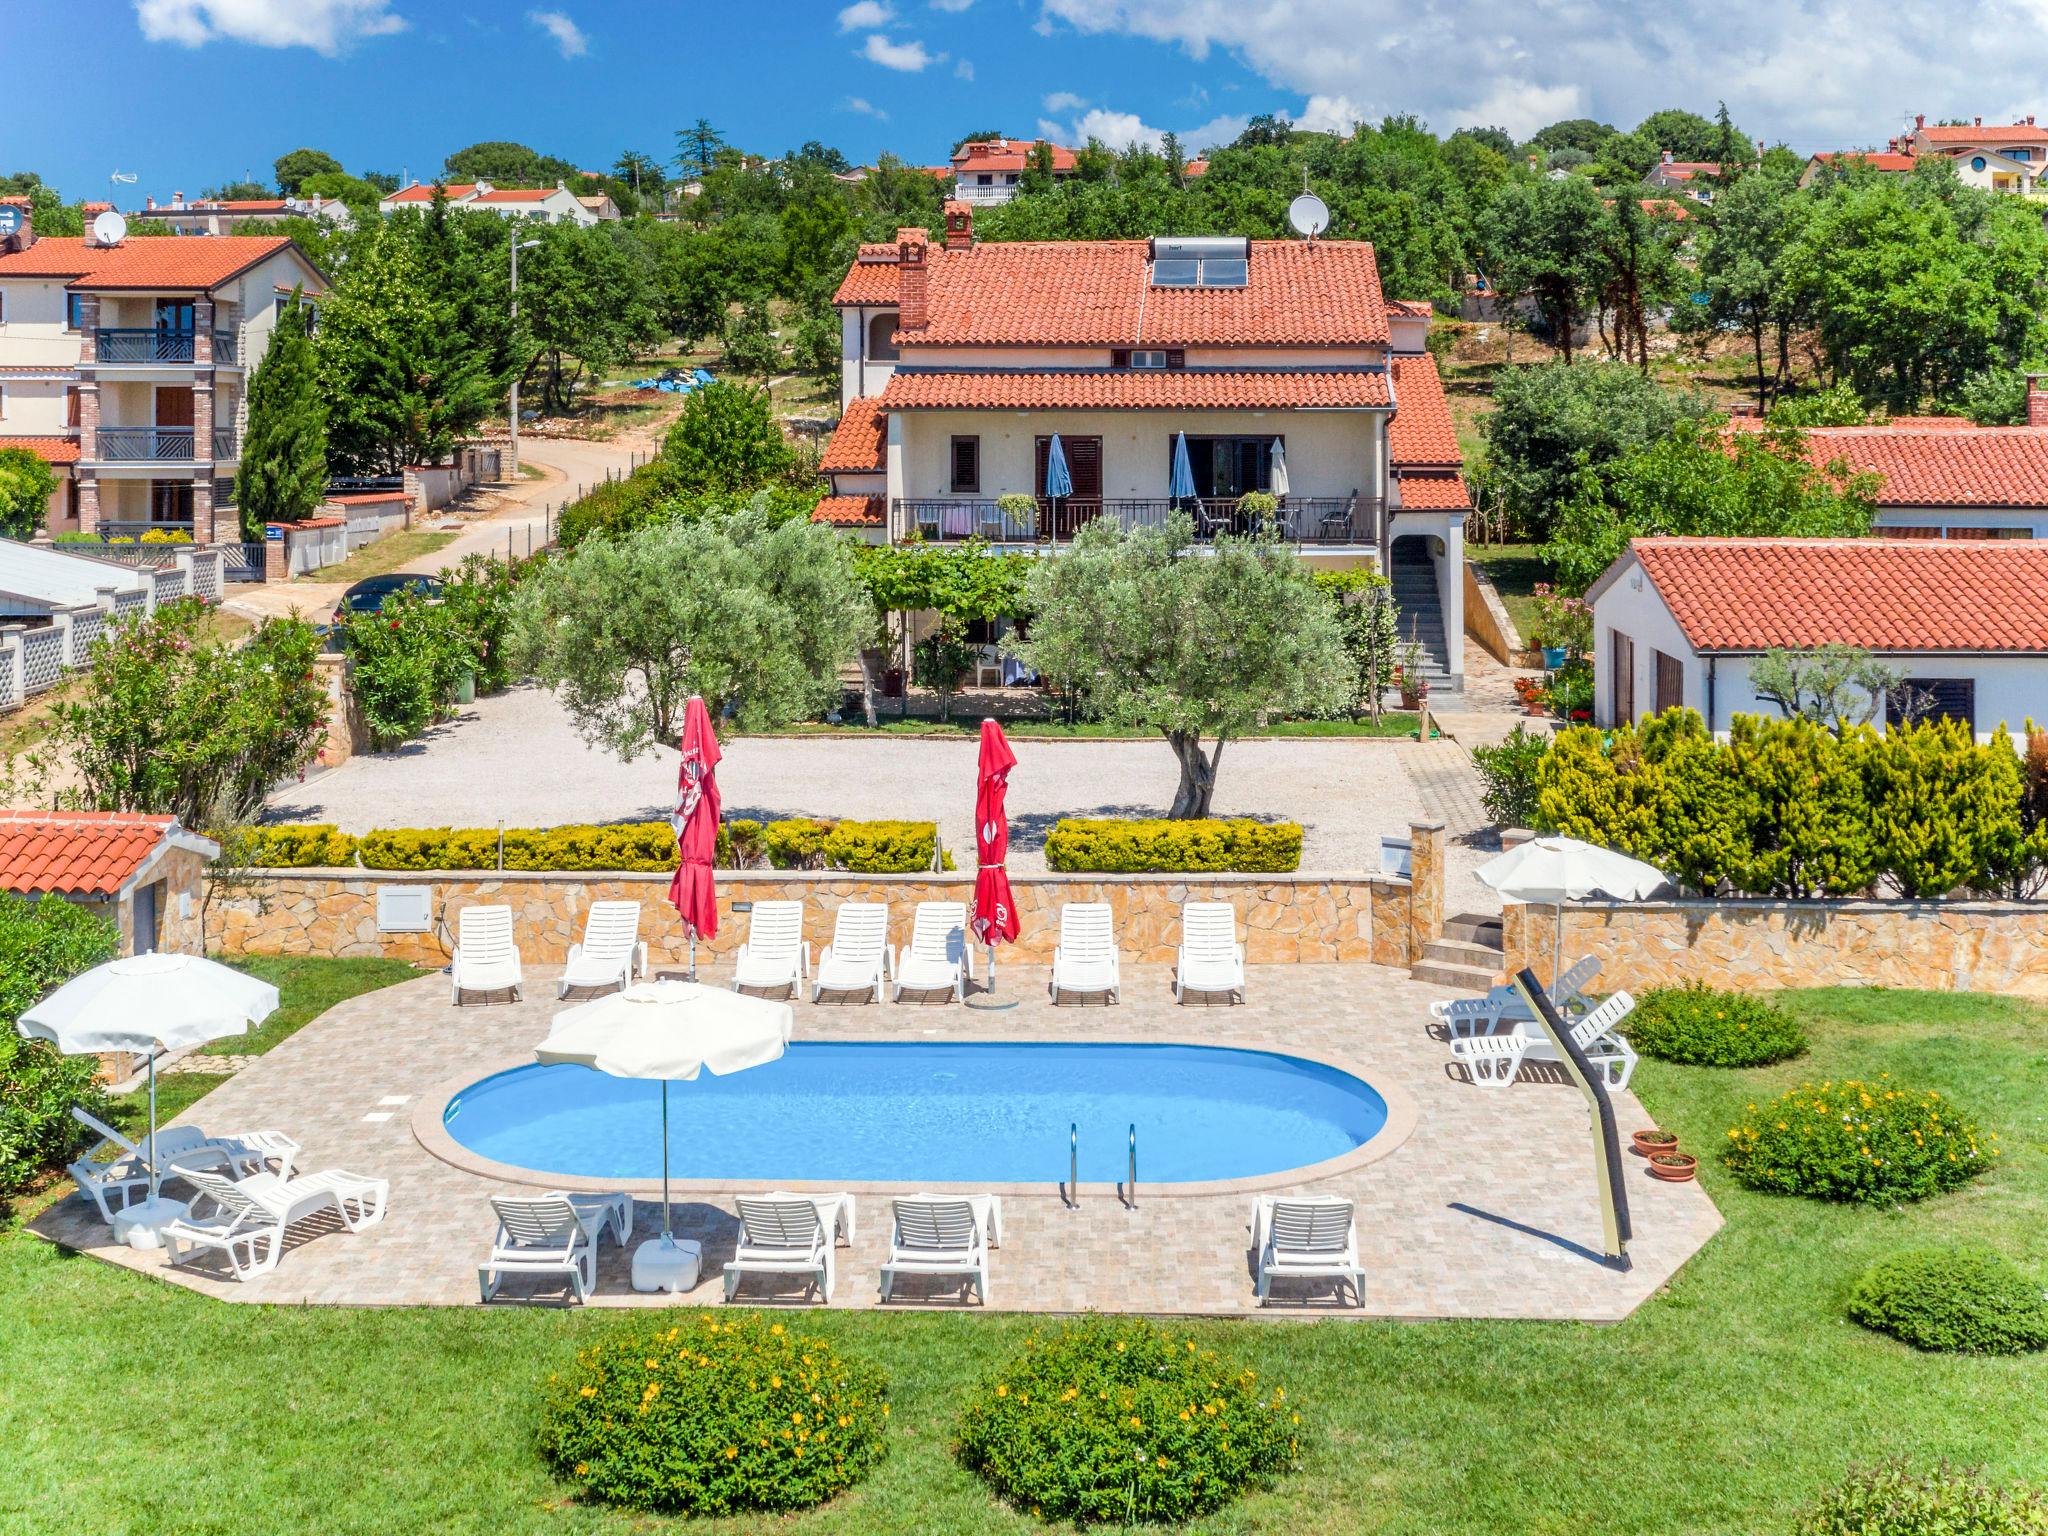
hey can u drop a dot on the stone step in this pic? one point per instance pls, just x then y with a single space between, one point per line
1460 952
1469 978
1474 928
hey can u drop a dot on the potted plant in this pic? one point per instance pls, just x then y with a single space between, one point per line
1649 1143
1408 676
1673 1167
1563 628
1020 515
1255 508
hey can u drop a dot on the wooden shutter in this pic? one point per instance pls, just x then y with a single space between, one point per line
967 463
1670 682
1119 357
71 406
174 405
1176 358
1623 651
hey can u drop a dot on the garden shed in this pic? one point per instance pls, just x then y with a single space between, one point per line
144 872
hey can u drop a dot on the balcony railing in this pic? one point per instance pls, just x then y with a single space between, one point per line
225 443
224 347
1326 520
130 528
145 444
150 344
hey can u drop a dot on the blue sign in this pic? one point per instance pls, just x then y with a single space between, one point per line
10 220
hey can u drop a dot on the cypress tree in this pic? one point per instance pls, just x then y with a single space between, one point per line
283 472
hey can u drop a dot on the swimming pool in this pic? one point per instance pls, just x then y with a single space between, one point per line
931 1112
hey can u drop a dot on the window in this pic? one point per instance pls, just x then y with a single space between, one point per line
1623 676
1670 682
984 179
1155 357
966 460
1976 162
74 311
1916 532
1225 467
175 315
2021 154
1932 698
1989 533
170 501
882 337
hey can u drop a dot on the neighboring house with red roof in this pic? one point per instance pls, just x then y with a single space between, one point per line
126 367
548 205
1678 621
215 216
2007 157
1280 363
990 170
1896 159
144 872
1691 177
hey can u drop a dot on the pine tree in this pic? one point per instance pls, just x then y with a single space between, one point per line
283 472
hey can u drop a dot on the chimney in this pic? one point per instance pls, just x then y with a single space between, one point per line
149 201
2037 400
910 259
1759 151
959 226
1534 162
1919 119
177 199
2030 119
1976 122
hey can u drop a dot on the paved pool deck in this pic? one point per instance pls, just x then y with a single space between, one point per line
1486 1207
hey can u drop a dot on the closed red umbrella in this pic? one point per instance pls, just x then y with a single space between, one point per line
995 914
693 893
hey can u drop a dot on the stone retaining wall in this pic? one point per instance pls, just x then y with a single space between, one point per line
1951 946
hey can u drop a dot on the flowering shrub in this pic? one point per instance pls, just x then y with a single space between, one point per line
1851 1140
1969 1300
1892 1499
1700 1027
1124 1420
727 1413
1562 621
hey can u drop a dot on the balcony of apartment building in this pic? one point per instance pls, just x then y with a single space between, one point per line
143 425
130 508
1352 520
143 336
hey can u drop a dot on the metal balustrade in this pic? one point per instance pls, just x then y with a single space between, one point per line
130 445
143 344
1311 520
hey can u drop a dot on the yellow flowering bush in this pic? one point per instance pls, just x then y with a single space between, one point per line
1700 1027
725 1413
1125 1420
1852 1140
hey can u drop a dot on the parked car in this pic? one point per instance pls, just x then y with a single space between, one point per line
369 596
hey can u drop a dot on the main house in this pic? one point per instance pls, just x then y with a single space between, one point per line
2005 157
1279 363
548 205
126 367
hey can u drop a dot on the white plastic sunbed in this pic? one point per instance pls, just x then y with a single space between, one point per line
1494 1061
552 1234
1085 960
612 952
1210 959
179 1147
485 958
1502 1007
775 957
1312 1238
253 1214
857 959
944 1235
782 1234
938 957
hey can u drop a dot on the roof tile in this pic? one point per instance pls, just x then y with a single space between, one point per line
76 852
169 261
851 512
1950 465
51 450
1247 389
859 441
1422 430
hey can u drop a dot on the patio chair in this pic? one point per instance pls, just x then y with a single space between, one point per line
857 959
1085 960
1210 959
1312 1237
1494 1061
1503 1005
552 1234
253 1214
938 957
612 952
789 1235
126 1174
485 958
944 1235
775 957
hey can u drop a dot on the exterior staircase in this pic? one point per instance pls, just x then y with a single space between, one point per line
1470 955
1420 610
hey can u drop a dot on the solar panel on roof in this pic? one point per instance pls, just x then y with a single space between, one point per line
1224 272
1176 272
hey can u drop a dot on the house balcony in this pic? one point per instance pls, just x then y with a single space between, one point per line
157 346
145 445
1329 521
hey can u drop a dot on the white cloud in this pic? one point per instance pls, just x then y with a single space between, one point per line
1064 101
326 26
909 57
964 70
866 108
567 35
951 5
1328 114
1120 130
864 14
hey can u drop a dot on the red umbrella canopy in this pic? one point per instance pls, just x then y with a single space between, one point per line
693 892
995 914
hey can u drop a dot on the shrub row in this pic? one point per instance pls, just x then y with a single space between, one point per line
1895 1499
1143 847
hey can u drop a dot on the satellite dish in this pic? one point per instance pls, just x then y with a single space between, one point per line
10 220
110 228
1308 215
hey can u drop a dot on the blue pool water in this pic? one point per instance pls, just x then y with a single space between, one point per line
921 1111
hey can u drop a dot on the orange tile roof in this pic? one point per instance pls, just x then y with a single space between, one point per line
76 852
51 450
851 512
1421 432
1877 160
1885 595
1433 490
423 192
1146 389
1414 309
1195 168
858 441
1957 465
517 195
179 262
872 279
1008 155
1986 133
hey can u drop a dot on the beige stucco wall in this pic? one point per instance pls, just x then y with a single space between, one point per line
1487 619
32 329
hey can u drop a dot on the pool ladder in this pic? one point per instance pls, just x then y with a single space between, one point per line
1070 1192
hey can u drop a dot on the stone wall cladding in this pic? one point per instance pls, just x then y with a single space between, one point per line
1950 946
1286 918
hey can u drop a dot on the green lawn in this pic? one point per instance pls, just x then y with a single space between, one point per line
1722 1406
386 554
1515 569
1390 724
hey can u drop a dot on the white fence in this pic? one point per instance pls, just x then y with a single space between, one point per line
33 659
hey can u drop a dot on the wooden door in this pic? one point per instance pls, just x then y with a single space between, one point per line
1084 468
1623 651
1670 682
174 405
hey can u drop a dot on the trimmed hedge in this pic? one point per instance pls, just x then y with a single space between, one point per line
1699 1027
1963 1300
1873 1142
1238 846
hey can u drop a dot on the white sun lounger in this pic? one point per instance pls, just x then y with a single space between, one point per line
782 1234
1494 1061
1311 1238
775 957
938 957
254 1214
1085 960
1502 1007
552 1234
1210 959
612 952
485 958
857 959
944 1235
180 1147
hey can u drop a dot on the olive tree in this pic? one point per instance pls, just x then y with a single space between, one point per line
758 615
1195 645
1827 685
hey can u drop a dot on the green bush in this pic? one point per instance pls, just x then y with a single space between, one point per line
404 661
795 844
724 1414
740 844
634 845
1873 1142
300 845
43 944
1123 1420
1963 1300
1891 1499
1700 1027
883 847
1508 775
1208 846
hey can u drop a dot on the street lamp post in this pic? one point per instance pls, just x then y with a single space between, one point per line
517 246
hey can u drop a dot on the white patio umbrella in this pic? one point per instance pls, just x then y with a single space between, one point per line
1277 476
1562 869
148 1003
669 1031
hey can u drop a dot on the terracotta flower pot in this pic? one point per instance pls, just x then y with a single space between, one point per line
1645 1147
1673 1167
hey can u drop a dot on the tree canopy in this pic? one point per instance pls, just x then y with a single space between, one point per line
506 164
282 475
26 486
293 167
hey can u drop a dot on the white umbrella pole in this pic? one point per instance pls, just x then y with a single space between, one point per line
1557 943
991 967
666 1240
693 950
155 1179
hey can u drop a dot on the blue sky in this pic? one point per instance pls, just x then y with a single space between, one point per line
189 93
